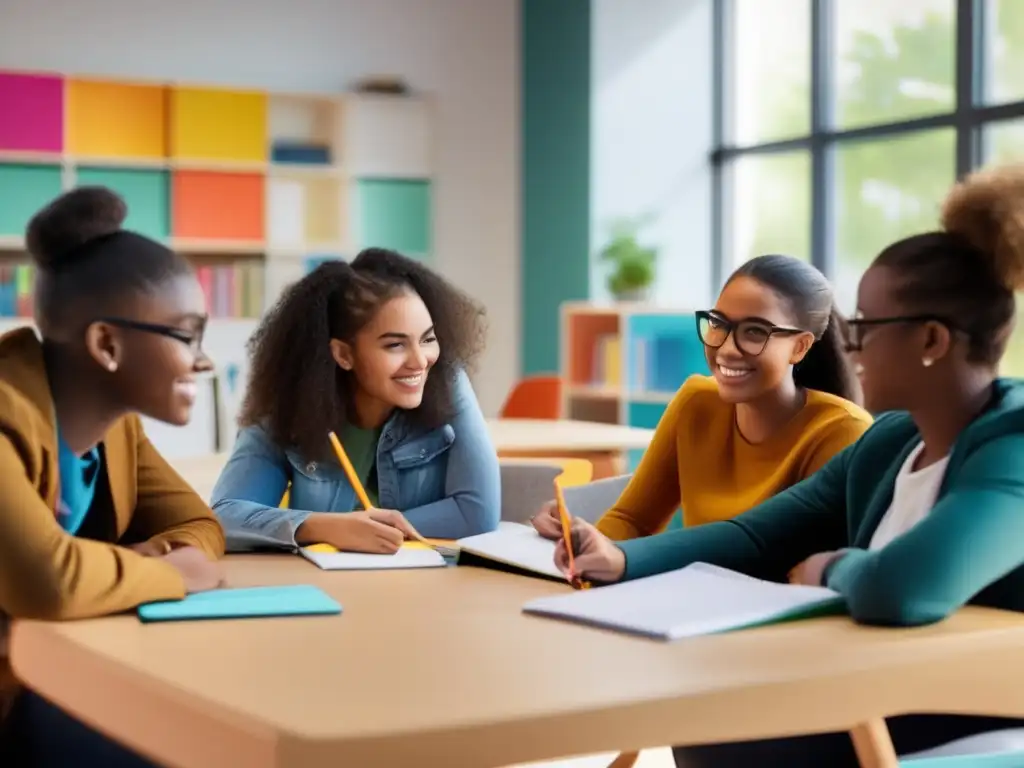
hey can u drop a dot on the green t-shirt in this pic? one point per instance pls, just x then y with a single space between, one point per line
361 447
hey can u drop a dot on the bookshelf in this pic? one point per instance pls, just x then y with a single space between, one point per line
623 363
255 187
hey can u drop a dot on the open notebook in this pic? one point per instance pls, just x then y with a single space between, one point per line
700 599
512 547
413 555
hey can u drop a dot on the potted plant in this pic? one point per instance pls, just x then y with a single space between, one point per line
631 265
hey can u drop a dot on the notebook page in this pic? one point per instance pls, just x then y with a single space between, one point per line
697 600
406 557
514 544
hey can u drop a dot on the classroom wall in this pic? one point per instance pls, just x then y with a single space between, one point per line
556 45
465 52
651 137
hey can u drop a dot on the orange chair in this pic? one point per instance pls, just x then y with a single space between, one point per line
535 397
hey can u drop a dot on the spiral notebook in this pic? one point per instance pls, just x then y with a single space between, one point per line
700 599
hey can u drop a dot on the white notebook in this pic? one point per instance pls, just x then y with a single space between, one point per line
514 545
357 561
700 599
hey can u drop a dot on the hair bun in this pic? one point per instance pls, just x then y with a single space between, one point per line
987 210
70 221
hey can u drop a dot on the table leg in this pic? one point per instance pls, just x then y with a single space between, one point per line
873 745
624 760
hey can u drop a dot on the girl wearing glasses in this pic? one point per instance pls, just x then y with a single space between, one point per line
923 514
93 521
776 408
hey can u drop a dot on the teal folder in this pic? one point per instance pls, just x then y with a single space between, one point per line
253 602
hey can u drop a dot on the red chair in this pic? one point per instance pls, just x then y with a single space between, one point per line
535 397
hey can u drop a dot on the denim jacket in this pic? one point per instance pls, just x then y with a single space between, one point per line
445 480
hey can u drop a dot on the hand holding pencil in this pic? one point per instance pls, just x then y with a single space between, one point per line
594 557
390 517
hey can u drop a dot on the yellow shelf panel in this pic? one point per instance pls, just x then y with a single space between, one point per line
116 120
214 124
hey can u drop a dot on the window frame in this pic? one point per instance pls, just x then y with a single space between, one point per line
969 118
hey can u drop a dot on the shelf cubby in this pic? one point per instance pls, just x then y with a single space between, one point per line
396 214
305 131
146 192
116 121
218 125
31 113
24 189
304 211
209 205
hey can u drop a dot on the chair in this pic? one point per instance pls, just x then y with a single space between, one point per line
535 397
526 484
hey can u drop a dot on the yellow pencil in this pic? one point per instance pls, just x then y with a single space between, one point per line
357 486
350 471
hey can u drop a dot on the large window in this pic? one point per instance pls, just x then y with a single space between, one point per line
842 123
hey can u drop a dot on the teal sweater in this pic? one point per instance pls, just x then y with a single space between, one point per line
969 549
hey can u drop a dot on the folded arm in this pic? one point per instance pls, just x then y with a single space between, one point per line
472 500
248 493
971 538
167 508
45 573
765 542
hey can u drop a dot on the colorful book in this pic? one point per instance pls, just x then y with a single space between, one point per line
252 602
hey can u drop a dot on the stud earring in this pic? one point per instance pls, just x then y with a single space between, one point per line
927 362
111 366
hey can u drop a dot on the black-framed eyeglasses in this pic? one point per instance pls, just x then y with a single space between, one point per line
857 327
750 335
192 339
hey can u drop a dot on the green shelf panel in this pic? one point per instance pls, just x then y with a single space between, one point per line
395 214
147 193
24 189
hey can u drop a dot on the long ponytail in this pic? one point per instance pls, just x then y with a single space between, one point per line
826 367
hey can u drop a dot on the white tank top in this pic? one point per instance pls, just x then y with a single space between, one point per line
912 498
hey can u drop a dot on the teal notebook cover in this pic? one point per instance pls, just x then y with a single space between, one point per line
252 602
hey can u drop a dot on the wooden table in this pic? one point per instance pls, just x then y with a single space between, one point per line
440 667
604 445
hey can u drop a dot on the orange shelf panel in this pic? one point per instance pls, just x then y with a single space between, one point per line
116 120
218 206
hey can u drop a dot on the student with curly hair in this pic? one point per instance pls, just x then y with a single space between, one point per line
93 520
377 351
923 514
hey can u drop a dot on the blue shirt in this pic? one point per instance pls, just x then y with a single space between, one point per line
78 476
446 481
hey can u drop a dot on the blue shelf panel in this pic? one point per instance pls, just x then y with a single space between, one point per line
664 351
645 415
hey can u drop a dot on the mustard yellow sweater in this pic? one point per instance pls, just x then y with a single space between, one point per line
699 460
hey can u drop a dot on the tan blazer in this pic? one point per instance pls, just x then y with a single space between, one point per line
45 573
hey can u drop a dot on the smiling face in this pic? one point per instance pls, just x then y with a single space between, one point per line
152 348
753 310
390 358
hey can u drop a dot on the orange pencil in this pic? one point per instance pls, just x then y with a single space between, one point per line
350 471
563 515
